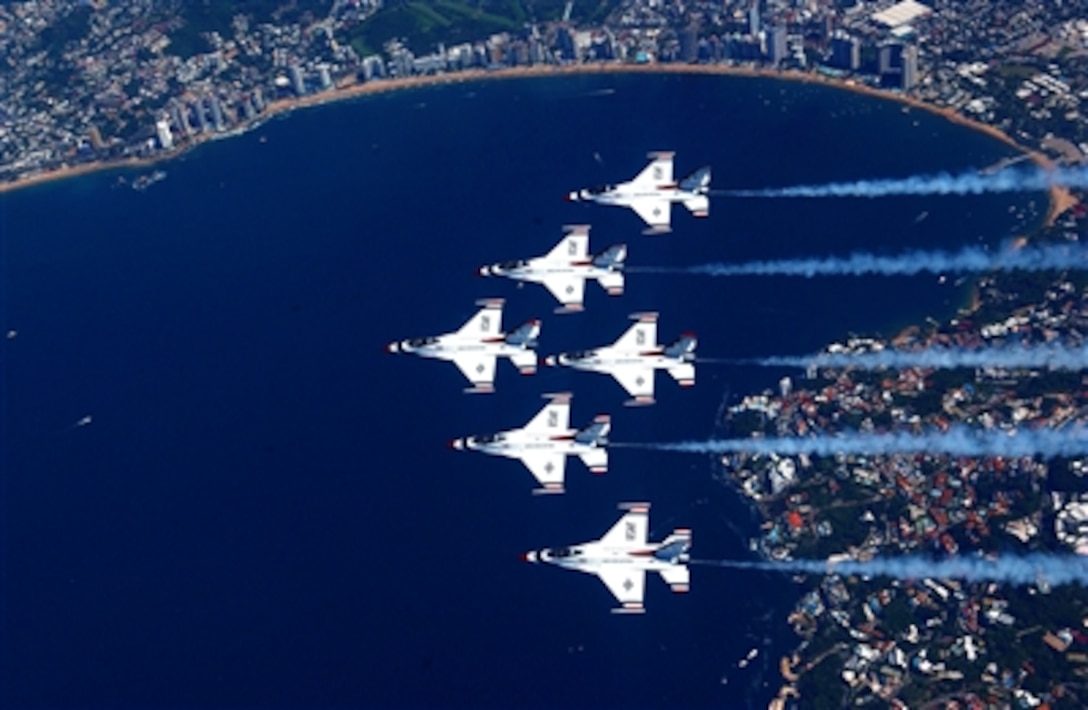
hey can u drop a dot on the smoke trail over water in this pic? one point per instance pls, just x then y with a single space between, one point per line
1051 356
1020 570
971 259
957 441
972 183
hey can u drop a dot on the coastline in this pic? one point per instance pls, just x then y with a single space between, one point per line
1060 197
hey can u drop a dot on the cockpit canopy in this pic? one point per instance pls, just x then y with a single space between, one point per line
487 438
508 265
580 354
599 189
563 552
420 342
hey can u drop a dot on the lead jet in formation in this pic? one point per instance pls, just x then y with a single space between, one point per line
544 444
566 268
633 359
623 557
652 193
476 345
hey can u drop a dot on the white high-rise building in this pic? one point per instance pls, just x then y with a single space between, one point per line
166 138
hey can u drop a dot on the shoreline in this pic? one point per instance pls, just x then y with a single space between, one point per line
1060 197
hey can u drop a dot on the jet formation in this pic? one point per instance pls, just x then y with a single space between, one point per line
624 555
652 193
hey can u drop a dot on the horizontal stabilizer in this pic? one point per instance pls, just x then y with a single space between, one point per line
596 460
612 282
699 205
678 577
525 361
684 373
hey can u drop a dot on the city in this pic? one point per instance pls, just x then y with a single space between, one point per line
97 82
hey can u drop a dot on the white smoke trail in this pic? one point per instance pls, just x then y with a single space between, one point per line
1052 356
957 441
970 259
972 183
1019 570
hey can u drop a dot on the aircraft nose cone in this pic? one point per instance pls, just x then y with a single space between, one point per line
392 348
550 361
572 197
484 271
529 557
457 444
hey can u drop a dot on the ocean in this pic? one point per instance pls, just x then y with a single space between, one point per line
263 511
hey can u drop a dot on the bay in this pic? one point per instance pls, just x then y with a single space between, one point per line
264 512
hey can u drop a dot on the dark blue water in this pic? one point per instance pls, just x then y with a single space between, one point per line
264 513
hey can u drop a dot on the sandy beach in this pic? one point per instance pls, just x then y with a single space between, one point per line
1060 197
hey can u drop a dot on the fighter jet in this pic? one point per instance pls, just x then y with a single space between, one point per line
565 269
546 442
623 557
633 358
652 193
474 347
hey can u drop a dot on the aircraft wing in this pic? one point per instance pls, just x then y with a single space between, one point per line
638 381
631 530
658 173
479 368
627 583
567 288
554 418
653 211
574 247
487 323
547 467
641 336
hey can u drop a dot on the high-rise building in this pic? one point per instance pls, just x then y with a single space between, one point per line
217 113
910 68
845 52
689 44
753 19
298 83
899 65
777 48
890 58
166 139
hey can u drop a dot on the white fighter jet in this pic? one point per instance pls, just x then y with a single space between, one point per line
474 347
652 193
623 557
544 444
633 359
566 268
